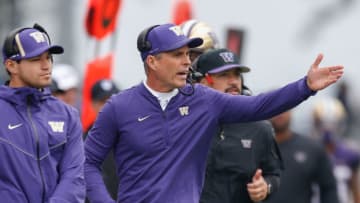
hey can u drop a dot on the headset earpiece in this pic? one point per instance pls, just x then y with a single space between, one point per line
42 29
143 44
10 47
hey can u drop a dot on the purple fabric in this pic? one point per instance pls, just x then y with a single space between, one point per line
41 148
161 155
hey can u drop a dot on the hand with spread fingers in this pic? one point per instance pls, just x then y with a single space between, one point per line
258 188
319 78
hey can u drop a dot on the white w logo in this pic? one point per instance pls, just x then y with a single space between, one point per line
228 57
177 30
184 110
246 143
57 126
38 37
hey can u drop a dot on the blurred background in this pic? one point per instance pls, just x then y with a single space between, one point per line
278 39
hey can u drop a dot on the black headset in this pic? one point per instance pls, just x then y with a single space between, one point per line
143 44
10 48
194 75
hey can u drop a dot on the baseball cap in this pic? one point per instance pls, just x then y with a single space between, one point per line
195 28
64 77
103 89
162 38
218 60
28 43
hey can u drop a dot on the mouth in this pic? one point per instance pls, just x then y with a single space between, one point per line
183 74
45 75
233 91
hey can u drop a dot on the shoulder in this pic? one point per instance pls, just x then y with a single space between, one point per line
127 101
127 96
263 129
264 126
57 106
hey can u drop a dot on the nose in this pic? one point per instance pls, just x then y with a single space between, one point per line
234 79
45 62
187 60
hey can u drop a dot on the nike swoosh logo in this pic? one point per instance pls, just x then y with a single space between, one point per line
12 127
143 118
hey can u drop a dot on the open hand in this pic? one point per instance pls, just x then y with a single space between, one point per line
320 78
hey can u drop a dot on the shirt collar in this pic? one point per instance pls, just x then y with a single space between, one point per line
162 96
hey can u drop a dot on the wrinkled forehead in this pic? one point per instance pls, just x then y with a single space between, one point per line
179 51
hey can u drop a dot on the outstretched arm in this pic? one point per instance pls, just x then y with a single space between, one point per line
320 78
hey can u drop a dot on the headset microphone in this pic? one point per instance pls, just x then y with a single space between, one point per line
193 76
246 91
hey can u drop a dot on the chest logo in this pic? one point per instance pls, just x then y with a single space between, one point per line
57 126
140 119
12 127
246 143
184 110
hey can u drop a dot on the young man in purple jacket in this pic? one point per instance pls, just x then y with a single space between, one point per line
42 156
160 130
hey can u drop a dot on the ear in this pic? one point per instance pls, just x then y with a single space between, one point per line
11 66
151 62
209 79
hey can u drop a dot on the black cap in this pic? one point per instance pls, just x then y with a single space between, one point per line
103 89
219 60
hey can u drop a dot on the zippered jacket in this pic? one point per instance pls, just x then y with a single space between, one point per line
236 152
41 148
161 155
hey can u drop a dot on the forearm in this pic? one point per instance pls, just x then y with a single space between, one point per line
95 187
71 190
266 105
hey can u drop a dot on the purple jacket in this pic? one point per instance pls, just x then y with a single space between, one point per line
41 148
161 155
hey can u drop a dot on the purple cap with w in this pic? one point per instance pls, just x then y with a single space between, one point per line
29 43
168 37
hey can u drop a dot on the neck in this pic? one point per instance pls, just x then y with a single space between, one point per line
15 84
282 136
157 87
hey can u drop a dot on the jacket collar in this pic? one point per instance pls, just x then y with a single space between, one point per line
24 95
